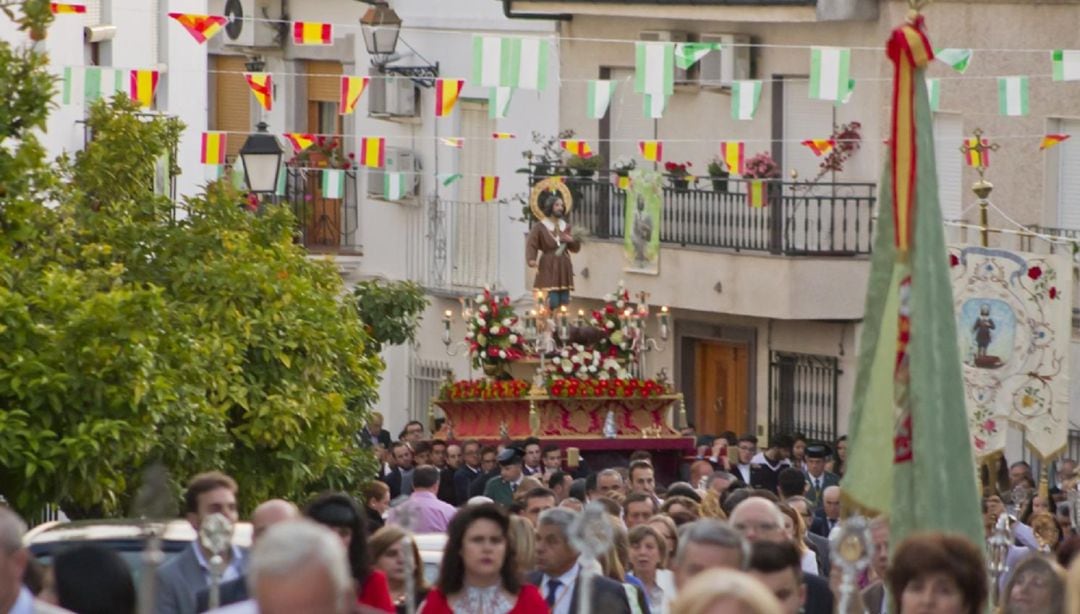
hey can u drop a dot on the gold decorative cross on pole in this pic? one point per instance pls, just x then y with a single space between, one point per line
976 152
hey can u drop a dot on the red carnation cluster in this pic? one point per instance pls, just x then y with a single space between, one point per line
483 389
611 388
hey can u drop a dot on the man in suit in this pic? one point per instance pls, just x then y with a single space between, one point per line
818 478
400 477
267 514
501 490
180 579
532 464
489 469
759 519
558 570
829 516
373 432
14 557
468 471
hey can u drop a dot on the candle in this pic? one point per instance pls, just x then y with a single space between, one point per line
580 317
663 317
564 323
447 317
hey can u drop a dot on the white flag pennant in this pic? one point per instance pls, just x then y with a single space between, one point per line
499 101
510 62
654 105
333 183
1066 65
830 73
1013 96
745 96
394 186
654 68
599 98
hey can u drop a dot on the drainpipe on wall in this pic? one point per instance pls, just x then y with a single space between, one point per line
508 11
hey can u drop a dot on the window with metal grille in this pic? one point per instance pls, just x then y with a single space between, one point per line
803 395
425 378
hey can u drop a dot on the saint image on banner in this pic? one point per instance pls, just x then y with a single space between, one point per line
641 243
1014 323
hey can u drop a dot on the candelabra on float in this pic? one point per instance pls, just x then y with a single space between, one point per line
456 348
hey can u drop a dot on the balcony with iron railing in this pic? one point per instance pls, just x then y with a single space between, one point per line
324 225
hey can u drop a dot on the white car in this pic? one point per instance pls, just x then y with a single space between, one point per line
431 547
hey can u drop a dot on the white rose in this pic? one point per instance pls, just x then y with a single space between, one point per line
567 368
513 338
495 330
592 368
507 322
565 354
481 322
502 354
576 358
620 304
610 325
483 308
469 335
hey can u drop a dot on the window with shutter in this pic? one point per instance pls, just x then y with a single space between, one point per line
232 101
1068 176
948 138
475 224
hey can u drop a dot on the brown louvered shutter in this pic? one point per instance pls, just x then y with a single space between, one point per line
324 81
232 101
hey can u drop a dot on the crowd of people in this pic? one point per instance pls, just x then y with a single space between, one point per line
746 532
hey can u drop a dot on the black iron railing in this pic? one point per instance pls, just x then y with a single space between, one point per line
803 395
797 219
324 225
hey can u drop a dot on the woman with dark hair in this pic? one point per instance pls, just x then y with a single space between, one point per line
839 457
341 513
479 573
1037 503
91 579
940 573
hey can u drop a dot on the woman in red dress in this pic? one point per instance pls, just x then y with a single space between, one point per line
479 573
341 513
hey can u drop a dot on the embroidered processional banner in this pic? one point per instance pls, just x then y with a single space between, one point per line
641 243
1014 321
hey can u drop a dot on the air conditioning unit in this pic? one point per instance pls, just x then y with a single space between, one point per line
252 24
392 96
732 63
398 160
682 77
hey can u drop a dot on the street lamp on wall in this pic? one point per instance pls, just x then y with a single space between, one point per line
381 28
261 157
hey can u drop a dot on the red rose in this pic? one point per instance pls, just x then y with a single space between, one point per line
1053 292
1035 273
953 260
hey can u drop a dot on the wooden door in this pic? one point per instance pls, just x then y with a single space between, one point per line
721 387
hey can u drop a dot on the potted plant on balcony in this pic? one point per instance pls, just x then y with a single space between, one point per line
718 172
324 153
678 174
585 168
546 158
761 166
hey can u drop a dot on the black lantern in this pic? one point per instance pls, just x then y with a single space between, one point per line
261 156
380 26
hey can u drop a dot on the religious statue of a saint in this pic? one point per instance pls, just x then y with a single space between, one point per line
982 329
550 242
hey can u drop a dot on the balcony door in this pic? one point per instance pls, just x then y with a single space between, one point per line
721 387
475 238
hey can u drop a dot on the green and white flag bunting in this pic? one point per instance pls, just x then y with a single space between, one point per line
688 54
394 186
958 59
654 68
599 97
1013 96
92 83
847 97
1066 65
213 172
654 105
449 179
933 90
510 62
830 73
282 177
333 183
745 96
238 180
499 101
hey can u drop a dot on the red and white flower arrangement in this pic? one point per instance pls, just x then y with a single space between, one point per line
617 341
494 333
579 362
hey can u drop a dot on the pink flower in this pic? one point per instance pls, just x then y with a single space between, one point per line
989 426
979 443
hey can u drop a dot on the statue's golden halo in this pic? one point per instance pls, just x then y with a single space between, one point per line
551 184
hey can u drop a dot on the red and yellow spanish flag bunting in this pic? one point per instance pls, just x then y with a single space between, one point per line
312 33
213 147
373 151
503 135
262 86
489 188
977 157
201 27
352 88
1051 140
143 85
60 8
755 193
446 95
577 147
733 153
653 151
820 147
300 140
453 141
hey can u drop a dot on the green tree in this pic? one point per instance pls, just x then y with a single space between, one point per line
390 309
132 334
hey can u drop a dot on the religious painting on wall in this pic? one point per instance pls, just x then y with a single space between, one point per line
641 243
1014 321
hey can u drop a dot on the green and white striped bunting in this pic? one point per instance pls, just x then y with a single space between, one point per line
282 177
654 105
333 183
449 179
394 186
88 84
830 73
510 62
933 91
1013 96
654 68
745 96
688 54
958 59
1066 65
599 97
499 101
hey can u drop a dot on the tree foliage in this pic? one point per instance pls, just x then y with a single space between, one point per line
131 334
390 309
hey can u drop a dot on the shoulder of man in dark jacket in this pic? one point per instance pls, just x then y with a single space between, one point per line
819 597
